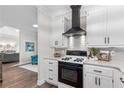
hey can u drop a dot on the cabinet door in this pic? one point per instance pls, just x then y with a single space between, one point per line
117 79
90 81
67 24
58 40
116 25
57 29
104 82
51 71
96 27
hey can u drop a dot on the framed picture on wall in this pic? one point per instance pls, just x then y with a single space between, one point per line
29 46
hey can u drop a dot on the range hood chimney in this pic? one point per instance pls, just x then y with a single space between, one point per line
75 30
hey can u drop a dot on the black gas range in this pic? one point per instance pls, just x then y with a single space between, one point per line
70 68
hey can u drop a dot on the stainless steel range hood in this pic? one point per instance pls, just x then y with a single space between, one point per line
75 30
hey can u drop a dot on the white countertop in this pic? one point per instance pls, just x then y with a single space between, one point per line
117 62
53 58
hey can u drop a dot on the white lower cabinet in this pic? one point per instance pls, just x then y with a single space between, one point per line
52 72
90 81
105 82
97 81
97 77
118 79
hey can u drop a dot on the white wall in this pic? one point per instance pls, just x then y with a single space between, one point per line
27 36
43 43
21 17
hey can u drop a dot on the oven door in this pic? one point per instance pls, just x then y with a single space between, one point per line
70 74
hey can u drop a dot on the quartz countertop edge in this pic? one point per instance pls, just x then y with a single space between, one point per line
52 58
110 64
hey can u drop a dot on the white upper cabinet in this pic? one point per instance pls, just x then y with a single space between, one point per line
96 28
57 39
67 24
105 27
116 25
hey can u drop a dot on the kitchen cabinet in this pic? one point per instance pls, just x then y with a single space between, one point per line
118 79
96 28
116 25
52 71
105 82
58 27
97 77
90 81
96 81
105 27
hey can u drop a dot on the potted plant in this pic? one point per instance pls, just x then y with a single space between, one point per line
94 52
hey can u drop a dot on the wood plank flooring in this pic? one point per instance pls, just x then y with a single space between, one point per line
16 77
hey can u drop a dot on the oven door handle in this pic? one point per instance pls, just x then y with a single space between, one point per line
71 67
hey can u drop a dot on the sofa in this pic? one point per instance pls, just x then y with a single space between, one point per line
9 57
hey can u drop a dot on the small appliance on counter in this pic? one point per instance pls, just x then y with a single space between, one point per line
57 55
99 54
104 55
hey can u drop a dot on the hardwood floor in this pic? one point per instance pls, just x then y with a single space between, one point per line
16 77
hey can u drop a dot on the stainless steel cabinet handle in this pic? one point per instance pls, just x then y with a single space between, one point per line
50 70
99 82
105 40
108 40
50 63
96 80
97 71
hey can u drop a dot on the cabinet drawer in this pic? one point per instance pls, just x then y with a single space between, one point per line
51 64
52 78
98 70
52 71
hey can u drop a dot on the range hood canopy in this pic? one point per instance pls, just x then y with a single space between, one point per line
75 30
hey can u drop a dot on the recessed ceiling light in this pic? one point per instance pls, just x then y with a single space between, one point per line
35 25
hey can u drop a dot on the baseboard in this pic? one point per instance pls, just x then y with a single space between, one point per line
24 63
20 64
40 82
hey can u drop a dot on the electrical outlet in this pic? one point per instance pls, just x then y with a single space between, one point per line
112 53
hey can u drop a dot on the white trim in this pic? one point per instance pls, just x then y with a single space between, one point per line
40 82
62 85
20 64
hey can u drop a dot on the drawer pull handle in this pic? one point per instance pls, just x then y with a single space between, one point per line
50 70
50 63
97 71
50 78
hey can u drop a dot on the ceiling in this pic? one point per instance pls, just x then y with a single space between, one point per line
9 34
6 30
54 10
18 16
